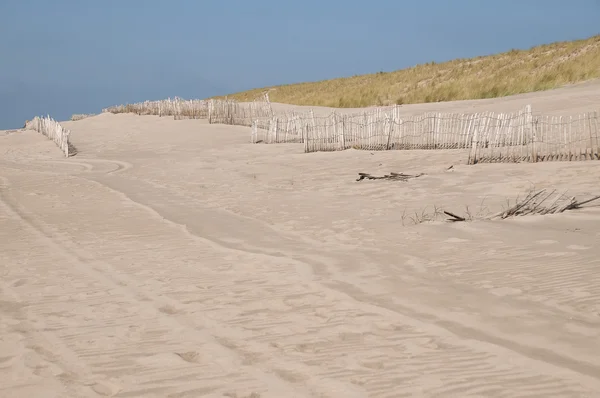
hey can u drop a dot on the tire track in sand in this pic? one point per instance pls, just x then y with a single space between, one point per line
87 166
228 303
115 166
95 300
24 366
305 334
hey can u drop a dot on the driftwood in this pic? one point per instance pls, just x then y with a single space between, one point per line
539 202
391 176
454 217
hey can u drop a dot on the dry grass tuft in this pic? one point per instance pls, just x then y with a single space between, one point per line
536 202
81 116
513 72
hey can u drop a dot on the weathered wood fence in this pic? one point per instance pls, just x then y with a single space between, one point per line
380 129
54 131
236 113
177 107
216 111
539 139
383 129
490 137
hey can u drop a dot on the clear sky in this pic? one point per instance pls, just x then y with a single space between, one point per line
61 57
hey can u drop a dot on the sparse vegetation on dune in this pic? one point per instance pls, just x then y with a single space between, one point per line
80 116
514 72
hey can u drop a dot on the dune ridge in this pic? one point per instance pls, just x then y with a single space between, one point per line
513 72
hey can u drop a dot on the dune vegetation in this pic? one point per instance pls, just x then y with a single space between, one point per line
514 72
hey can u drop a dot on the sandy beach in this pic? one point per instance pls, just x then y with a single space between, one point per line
175 259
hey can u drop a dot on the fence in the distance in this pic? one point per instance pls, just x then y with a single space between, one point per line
54 131
216 111
80 116
238 113
490 136
176 107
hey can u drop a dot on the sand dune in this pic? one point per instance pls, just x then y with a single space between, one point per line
569 100
175 259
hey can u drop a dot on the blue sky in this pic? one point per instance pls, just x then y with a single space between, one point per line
61 57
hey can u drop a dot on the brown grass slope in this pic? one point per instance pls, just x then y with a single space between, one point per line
514 72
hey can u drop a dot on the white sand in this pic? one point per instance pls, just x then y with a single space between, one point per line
175 259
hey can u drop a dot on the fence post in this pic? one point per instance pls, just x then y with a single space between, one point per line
305 136
270 132
342 137
390 131
597 147
66 143
534 133
594 146
474 144
313 131
531 123
231 111
287 128
254 132
436 130
271 113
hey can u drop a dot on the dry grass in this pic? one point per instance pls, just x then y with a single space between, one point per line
535 202
80 116
513 72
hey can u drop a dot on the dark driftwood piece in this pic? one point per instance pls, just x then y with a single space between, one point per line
391 176
454 217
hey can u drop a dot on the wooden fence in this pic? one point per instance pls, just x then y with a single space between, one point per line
216 111
384 129
177 107
295 127
491 137
54 131
286 128
236 113
538 139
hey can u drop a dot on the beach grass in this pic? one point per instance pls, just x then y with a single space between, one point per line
514 72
